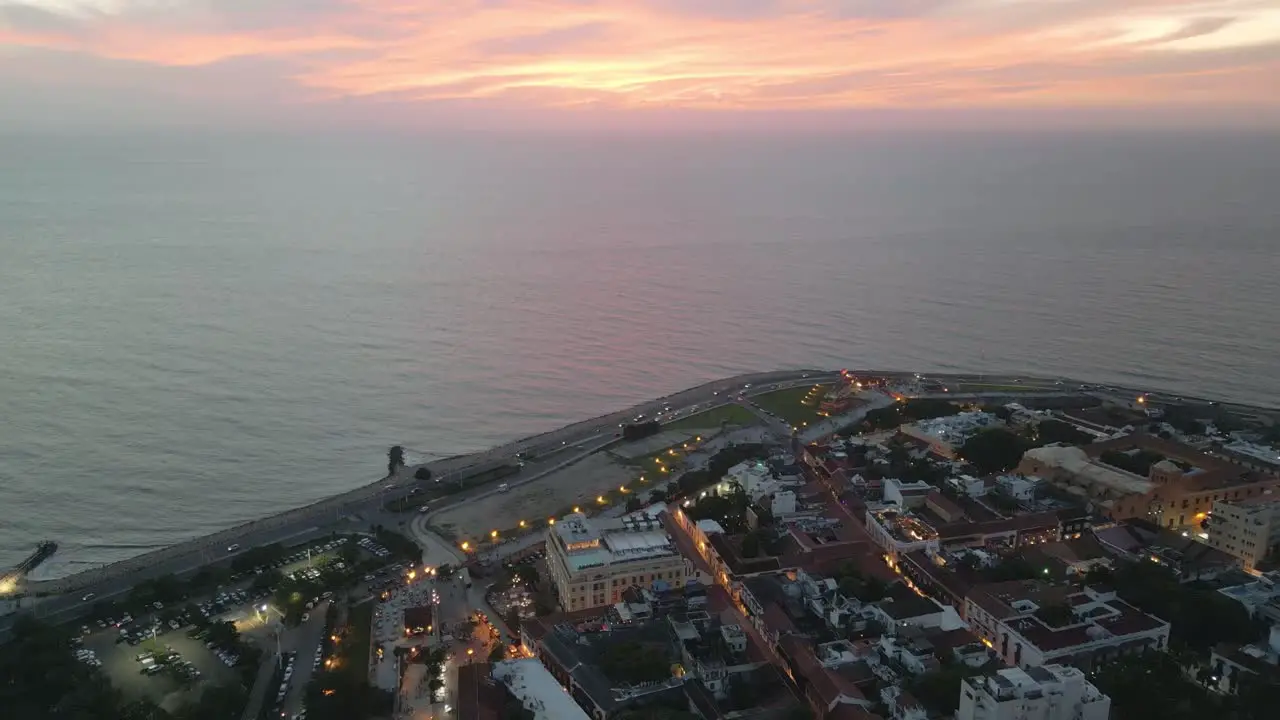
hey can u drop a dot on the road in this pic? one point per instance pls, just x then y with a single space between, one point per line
328 515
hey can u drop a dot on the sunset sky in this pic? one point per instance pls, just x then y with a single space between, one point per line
513 62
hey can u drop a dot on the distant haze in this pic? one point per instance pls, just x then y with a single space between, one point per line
663 65
201 329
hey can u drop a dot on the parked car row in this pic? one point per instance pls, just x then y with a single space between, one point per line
300 555
88 657
228 657
373 547
284 680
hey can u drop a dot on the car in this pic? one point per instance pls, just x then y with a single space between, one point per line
88 596
233 547
157 605
306 617
424 508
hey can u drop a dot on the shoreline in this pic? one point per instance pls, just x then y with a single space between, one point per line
204 549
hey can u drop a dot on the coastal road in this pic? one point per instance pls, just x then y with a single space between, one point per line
325 516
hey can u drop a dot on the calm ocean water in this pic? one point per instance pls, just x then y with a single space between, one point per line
197 331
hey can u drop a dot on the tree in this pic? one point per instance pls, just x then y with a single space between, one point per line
633 504
633 663
994 450
939 691
1057 431
498 653
395 459
657 496
422 473
1154 589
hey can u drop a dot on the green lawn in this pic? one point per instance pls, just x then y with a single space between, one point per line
794 405
732 414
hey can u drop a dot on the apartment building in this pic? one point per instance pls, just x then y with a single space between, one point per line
1247 529
1030 623
592 562
1049 692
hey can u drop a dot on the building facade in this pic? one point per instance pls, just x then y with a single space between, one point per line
592 563
1246 529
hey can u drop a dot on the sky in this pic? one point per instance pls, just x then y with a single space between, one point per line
661 63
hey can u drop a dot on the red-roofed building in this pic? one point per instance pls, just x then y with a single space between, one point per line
824 688
1029 623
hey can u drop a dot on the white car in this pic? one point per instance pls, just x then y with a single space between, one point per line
233 547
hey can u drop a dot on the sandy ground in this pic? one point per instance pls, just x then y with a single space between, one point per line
661 441
579 483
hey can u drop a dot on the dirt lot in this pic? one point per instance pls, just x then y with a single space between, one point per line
579 483
654 443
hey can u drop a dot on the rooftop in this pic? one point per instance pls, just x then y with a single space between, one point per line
537 689
1080 464
594 543
903 526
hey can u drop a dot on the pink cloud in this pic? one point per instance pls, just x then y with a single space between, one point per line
757 55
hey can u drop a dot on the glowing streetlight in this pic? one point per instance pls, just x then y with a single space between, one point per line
522 523
493 533
551 521
600 499
577 509
466 546
622 489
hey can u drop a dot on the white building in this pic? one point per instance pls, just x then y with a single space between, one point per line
537 690
591 562
758 482
968 485
943 435
906 494
1019 487
1049 692
1248 529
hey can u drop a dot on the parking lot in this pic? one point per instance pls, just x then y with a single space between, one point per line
170 653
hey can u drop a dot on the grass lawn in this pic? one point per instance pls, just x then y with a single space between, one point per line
732 414
794 405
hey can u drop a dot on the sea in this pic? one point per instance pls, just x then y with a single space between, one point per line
197 329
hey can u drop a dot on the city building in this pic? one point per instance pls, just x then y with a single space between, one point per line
1261 597
531 683
1231 663
592 562
1247 529
906 495
1030 623
1049 692
1019 487
899 532
1258 457
945 435
1185 556
1177 490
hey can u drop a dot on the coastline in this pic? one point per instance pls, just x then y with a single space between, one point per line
309 520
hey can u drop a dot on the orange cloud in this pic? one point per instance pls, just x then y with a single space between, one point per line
736 54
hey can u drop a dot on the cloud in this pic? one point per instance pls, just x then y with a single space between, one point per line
638 55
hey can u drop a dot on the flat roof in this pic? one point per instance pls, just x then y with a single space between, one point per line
537 690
